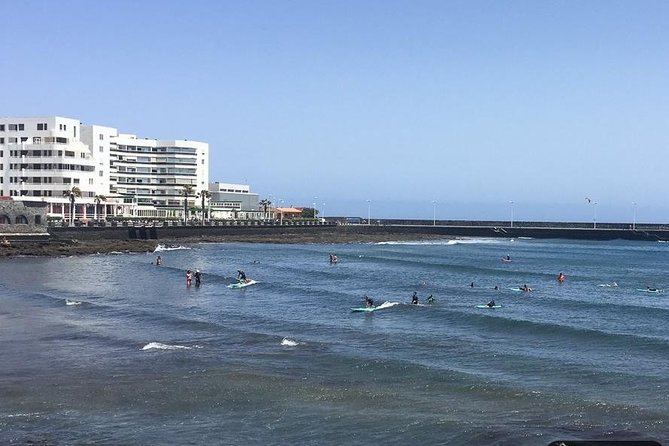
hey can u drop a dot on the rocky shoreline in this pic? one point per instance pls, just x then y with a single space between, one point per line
55 247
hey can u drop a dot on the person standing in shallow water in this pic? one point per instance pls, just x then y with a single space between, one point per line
189 278
198 277
158 261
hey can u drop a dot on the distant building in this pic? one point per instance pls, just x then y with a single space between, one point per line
288 213
235 201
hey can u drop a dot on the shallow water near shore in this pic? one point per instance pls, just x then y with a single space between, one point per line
112 349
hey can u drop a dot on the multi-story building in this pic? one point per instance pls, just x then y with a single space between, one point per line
42 159
232 201
149 174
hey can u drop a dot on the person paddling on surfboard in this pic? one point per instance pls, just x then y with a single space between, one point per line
241 276
491 304
414 298
369 302
431 299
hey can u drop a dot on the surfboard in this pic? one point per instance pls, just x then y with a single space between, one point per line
366 309
487 307
242 285
654 290
383 306
520 289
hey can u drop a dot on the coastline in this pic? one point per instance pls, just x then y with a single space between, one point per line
55 248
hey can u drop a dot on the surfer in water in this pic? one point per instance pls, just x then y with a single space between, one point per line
158 261
241 276
506 259
490 304
561 277
525 288
198 277
414 298
369 302
431 299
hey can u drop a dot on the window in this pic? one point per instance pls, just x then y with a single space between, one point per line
13 127
2 127
12 140
41 126
90 181
101 173
102 137
24 138
21 127
37 140
2 141
102 148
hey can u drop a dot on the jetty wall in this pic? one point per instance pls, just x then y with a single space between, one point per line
176 232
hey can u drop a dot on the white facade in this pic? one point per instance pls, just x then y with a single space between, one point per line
150 173
41 159
232 201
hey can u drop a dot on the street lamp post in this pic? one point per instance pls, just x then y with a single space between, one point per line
511 204
594 219
281 213
634 216
369 212
323 213
315 210
434 212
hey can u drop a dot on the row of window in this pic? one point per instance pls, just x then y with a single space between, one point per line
36 140
54 166
123 148
43 153
22 127
12 127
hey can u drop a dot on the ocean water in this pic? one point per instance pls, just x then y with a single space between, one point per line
111 349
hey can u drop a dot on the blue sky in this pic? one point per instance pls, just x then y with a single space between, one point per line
471 104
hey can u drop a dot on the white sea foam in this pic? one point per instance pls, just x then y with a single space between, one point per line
289 342
419 242
72 302
31 414
460 241
160 248
160 346
387 304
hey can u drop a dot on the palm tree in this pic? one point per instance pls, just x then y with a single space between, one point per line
204 194
98 199
187 190
265 203
72 194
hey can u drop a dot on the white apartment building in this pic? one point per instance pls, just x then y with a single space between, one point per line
42 159
149 174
